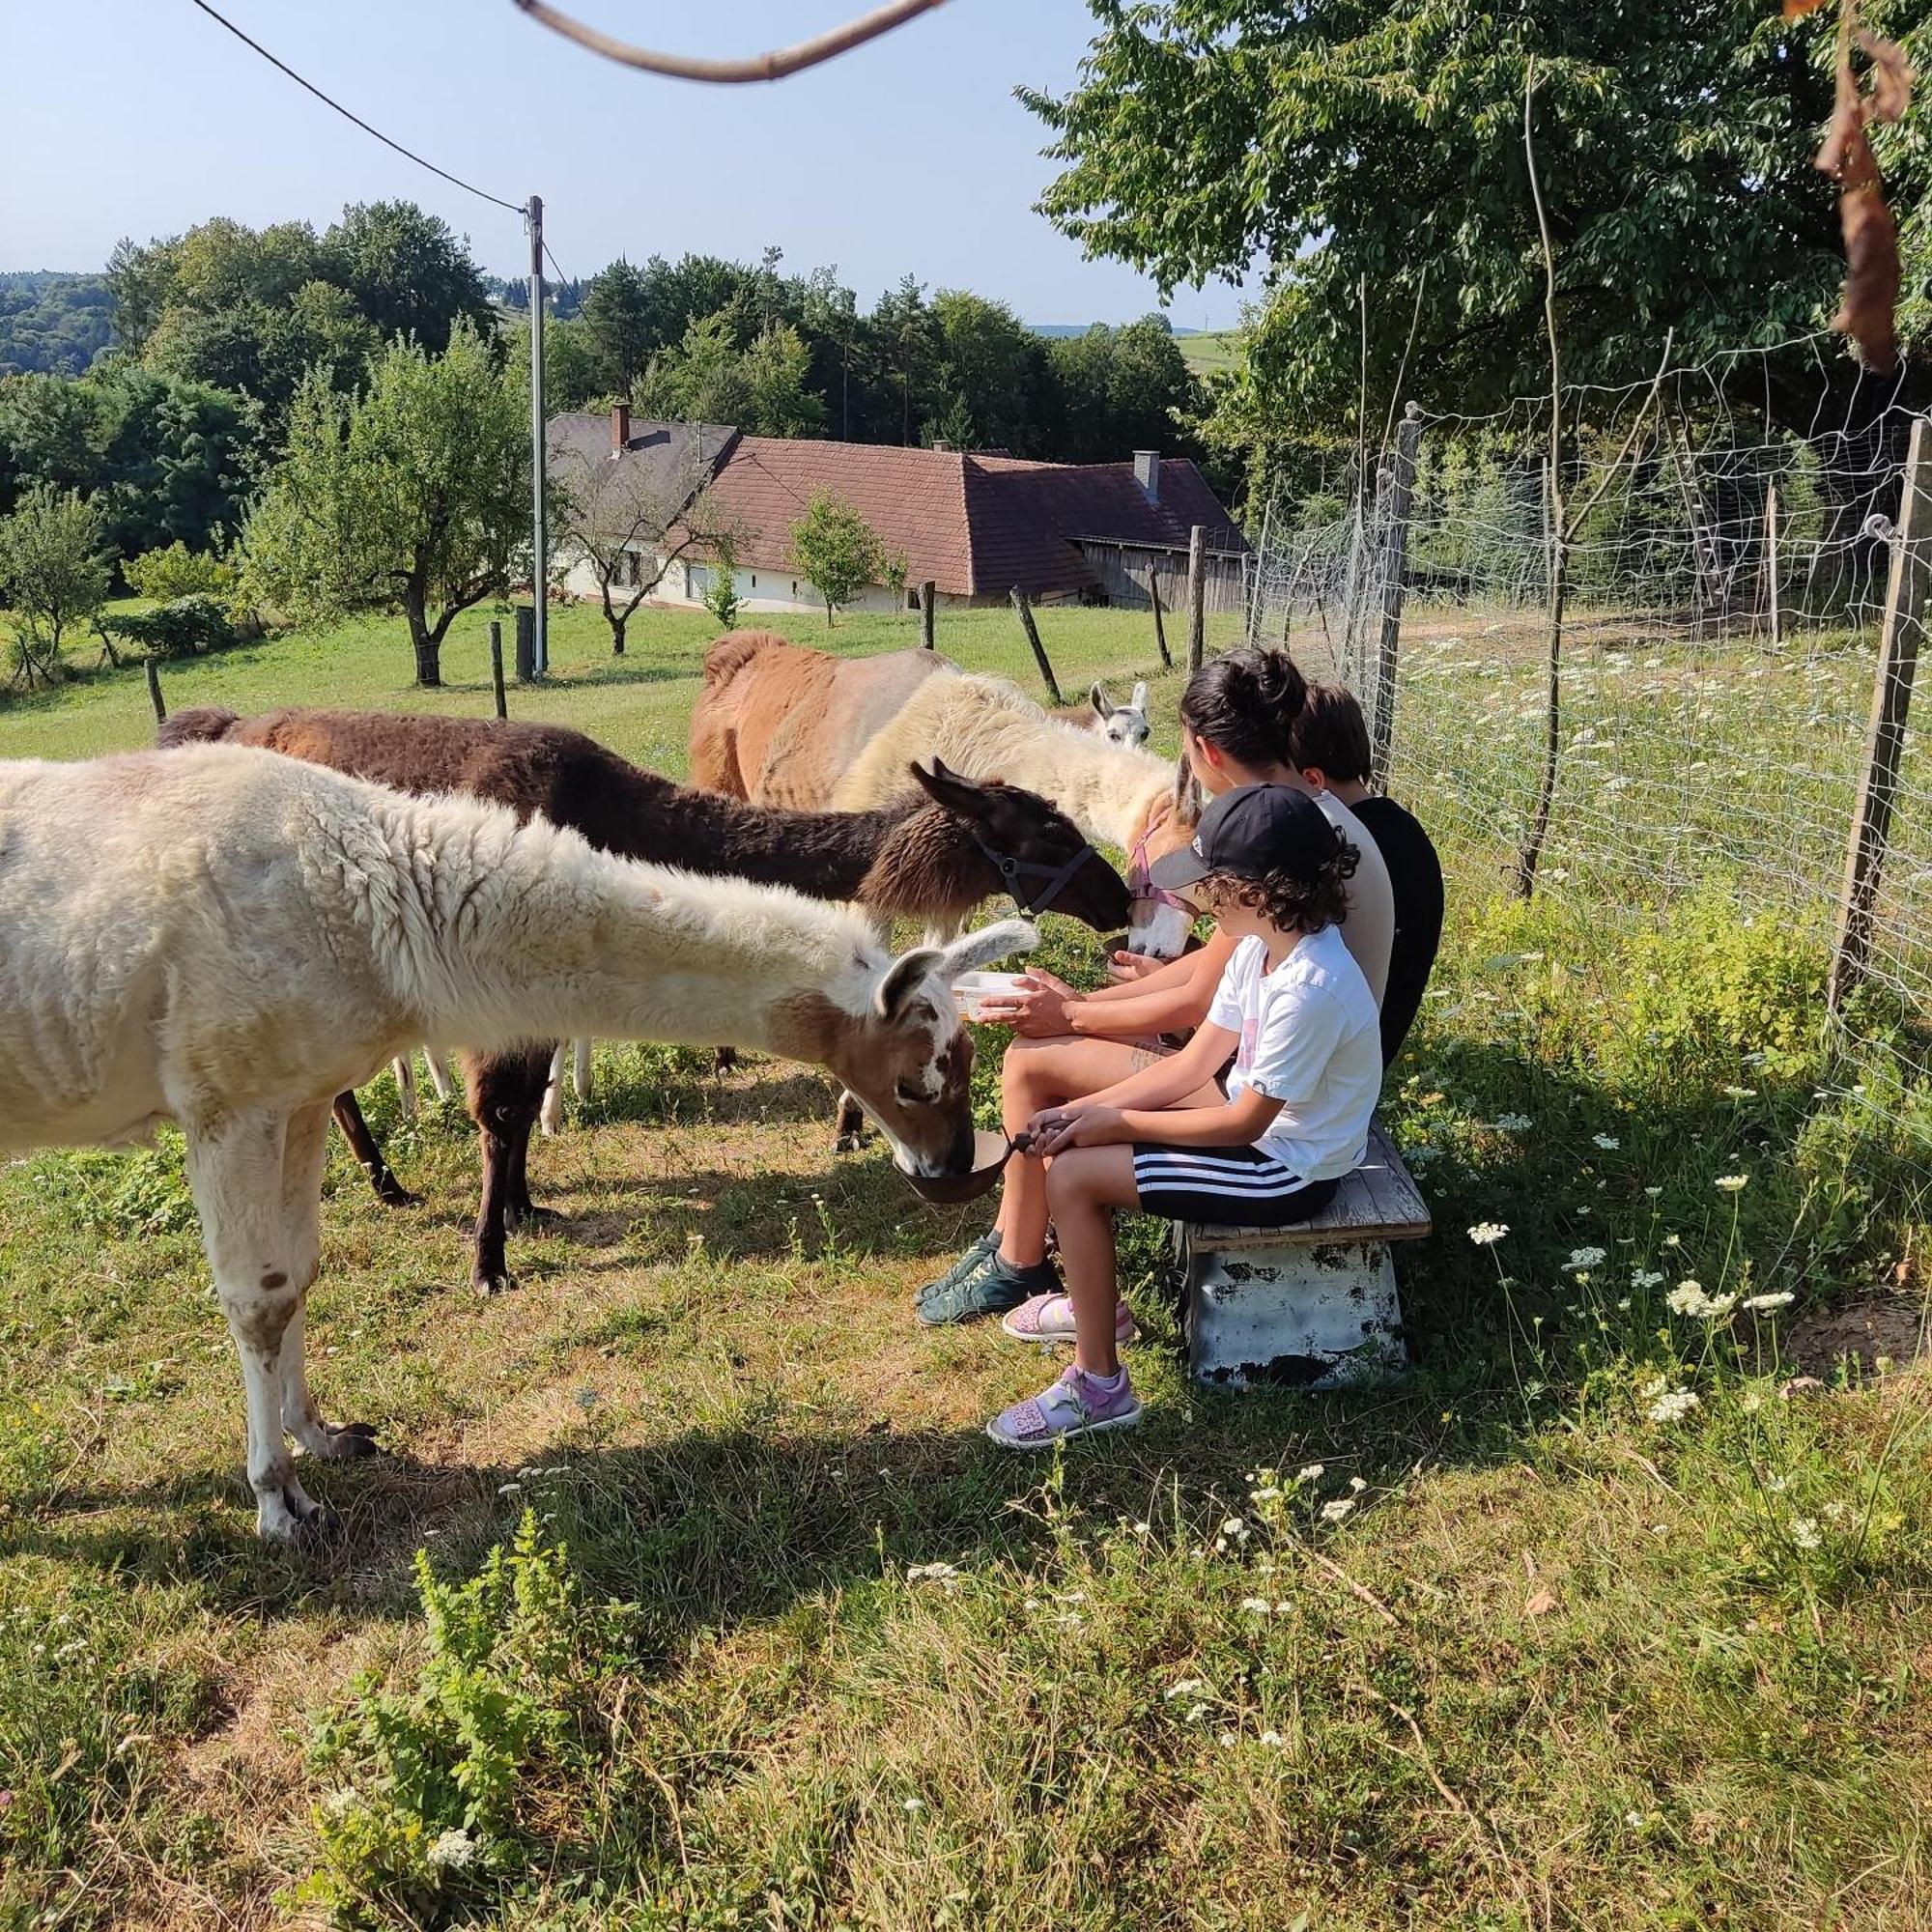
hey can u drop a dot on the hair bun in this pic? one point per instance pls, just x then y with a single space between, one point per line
1280 687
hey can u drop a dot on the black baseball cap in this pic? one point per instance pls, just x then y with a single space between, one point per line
1252 830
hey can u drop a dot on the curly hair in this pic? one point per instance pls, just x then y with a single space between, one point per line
1288 902
1244 703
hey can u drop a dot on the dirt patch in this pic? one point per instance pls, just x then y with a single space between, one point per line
1876 1328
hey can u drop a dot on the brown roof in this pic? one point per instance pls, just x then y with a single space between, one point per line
977 526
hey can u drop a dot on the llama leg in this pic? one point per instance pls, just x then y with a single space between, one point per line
849 1125
579 1069
404 1068
236 1174
439 1074
551 1118
302 1203
520 1097
724 1060
363 1144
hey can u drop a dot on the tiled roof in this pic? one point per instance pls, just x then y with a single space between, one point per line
976 524
664 462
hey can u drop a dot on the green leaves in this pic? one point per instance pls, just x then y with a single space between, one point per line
838 550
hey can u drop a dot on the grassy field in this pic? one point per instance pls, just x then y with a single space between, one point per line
1210 351
1593 1620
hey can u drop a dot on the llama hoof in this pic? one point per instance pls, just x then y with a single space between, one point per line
352 1442
531 1220
321 1527
493 1281
392 1192
724 1060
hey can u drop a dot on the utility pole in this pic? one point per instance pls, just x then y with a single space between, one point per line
540 565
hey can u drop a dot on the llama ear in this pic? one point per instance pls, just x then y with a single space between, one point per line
1138 702
904 977
1098 700
972 949
945 786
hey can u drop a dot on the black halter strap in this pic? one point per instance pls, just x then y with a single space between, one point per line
1012 870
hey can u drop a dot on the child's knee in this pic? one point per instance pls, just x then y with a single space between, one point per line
1069 1180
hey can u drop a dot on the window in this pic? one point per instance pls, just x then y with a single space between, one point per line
755 580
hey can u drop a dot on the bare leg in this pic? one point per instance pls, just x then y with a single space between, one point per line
439 1074
363 1145
1048 1073
1083 1186
236 1170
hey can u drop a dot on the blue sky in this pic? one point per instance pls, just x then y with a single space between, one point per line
141 117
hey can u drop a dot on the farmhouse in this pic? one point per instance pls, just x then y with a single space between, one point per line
975 525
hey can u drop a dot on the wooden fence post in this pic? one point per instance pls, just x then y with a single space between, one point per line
154 691
1197 596
1891 707
496 665
1159 628
1395 572
1032 629
1771 562
928 593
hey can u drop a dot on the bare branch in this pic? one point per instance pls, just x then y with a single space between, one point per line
772 65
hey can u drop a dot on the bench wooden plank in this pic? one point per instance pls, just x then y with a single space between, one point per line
1377 1202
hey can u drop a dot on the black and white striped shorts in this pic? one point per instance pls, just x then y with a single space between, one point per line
1233 1186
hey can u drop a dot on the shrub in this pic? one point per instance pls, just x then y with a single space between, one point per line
439 1781
182 629
721 599
176 571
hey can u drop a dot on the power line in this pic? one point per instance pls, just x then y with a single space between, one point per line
456 181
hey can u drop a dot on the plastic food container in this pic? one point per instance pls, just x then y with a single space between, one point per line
975 990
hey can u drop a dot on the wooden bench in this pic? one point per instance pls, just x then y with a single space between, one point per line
1312 1306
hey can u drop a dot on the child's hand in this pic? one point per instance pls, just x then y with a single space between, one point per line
1054 1129
1121 967
1038 1010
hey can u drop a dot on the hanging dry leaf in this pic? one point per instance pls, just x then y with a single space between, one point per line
1796 10
1871 235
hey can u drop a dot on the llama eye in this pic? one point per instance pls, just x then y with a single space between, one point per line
909 1094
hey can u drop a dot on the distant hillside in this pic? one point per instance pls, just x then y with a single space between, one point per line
1205 351
52 322
1081 328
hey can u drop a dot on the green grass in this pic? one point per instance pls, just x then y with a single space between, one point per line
1209 353
1560 1663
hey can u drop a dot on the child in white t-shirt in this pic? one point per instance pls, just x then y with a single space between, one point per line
1297 1016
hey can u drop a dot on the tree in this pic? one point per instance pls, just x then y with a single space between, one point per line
406 272
629 520
412 494
837 548
54 566
619 324
991 366
1120 389
1343 141
709 378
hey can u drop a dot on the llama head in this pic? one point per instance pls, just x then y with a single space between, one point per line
1124 724
1161 925
1053 866
909 1059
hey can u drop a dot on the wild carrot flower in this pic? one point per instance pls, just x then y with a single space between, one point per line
1731 1183
1768 1304
1334 1511
1686 1298
1673 1405
1487 1233
1610 1143
1586 1258
1804 1532
452 1851
1311 1472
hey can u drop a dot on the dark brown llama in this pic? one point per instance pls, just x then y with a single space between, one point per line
933 862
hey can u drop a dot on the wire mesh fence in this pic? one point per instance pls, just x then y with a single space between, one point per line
1726 596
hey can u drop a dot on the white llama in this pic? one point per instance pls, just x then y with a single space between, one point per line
228 938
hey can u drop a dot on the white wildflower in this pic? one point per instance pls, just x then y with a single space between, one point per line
1311 1472
1673 1405
1272 1493
1511 1124
1356 1484
1715 1307
1184 1686
1767 1304
1652 1192
912 1806
1236 1528
1686 1298
1804 1532
1646 1277
1487 1233
931 1572
1610 1143
1143 1530
1673 1240
452 1851
1741 1092
339 1804
1256 1607
1272 1738
1635 1820
1194 1712
1334 1511
1731 1183
1586 1258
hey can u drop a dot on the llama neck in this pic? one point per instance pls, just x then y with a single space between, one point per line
517 932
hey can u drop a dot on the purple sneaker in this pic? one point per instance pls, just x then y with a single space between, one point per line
1049 1318
1076 1405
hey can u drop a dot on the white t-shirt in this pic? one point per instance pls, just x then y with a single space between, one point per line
1311 1037
1369 930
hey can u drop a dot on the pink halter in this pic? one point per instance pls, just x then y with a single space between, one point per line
1140 884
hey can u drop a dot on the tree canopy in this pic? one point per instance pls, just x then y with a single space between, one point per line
838 550
1380 147
409 495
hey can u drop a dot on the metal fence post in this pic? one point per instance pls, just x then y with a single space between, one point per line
1891 707
1394 573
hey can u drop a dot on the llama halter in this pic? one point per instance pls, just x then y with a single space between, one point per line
1058 877
1141 886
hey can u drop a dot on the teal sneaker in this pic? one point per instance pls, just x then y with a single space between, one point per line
980 1283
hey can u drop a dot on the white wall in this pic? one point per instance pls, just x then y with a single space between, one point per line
684 586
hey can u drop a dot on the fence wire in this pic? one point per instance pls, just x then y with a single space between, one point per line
1726 592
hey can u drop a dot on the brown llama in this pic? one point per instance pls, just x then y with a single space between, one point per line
933 862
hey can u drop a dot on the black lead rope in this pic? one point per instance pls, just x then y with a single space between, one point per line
1011 870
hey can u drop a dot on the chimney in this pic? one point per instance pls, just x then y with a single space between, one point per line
620 428
1146 472
941 448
